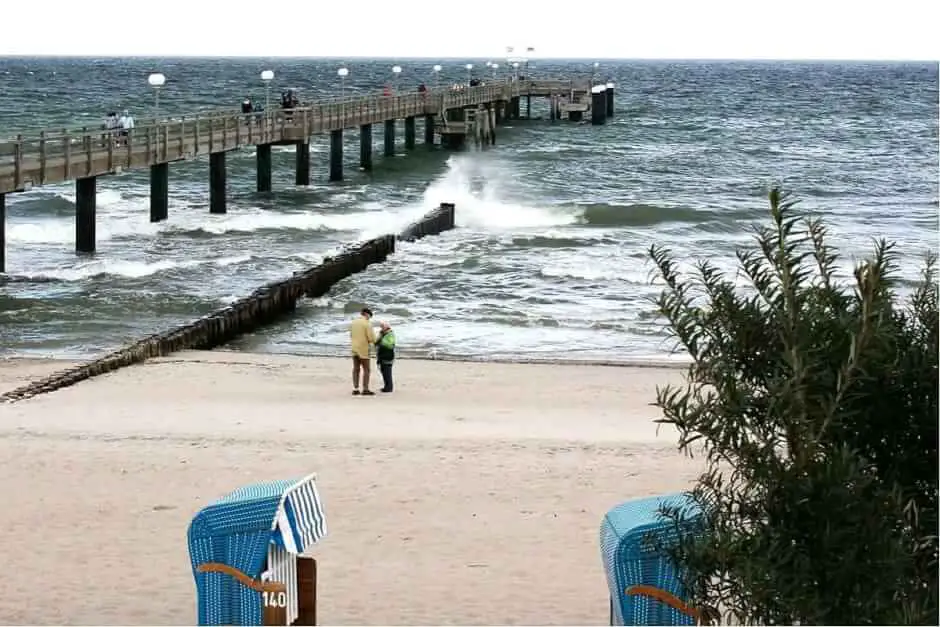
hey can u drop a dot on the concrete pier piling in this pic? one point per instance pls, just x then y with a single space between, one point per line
429 130
86 200
336 155
410 133
263 167
302 166
389 138
610 100
217 183
3 233
491 114
264 305
365 147
159 192
599 105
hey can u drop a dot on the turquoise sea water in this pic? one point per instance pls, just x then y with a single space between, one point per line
555 221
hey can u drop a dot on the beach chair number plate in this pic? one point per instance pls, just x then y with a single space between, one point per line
274 599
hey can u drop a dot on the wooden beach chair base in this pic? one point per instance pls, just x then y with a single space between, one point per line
274 592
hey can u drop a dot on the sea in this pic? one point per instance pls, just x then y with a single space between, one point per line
550 259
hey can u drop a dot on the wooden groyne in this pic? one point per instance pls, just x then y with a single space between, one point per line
247 314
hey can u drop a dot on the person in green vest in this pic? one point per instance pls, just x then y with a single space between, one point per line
385 354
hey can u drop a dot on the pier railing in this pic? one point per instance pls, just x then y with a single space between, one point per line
54 156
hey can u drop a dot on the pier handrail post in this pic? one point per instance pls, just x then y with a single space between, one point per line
182 142
166 141
42 157
110 144
130 148
18 162
87 147
196 136
67 151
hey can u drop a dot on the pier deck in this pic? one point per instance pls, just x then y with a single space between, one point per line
57 156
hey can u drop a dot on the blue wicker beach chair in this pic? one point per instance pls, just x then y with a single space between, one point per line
644 587
246 552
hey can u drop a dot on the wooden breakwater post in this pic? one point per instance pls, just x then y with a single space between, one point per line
246 314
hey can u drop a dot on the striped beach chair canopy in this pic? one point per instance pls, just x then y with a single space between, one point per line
631 563
239 531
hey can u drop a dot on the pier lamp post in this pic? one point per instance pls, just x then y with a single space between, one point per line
267 76
437 75
594 73
528 53
342 73
495 67
156 80
469 67
396 72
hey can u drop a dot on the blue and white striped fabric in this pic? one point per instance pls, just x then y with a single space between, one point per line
300 522
237 530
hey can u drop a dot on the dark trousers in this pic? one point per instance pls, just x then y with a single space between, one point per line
386 370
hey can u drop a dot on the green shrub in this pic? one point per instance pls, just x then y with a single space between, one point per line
815 406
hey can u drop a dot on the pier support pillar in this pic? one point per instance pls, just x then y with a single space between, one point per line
514 108
302 167
528 107
365 147
491 112
389 138
217 182
336 155
263 159
3 232
610 101
500 111
86 197
429 130
575 116
552 108
410 133
598 107
159 192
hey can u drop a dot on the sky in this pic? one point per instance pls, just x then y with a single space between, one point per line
602 29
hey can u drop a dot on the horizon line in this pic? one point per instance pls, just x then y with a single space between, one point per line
461 58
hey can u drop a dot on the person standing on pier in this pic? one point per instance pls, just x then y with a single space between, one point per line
361 336
125 123
385 355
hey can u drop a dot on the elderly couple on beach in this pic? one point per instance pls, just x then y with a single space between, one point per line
361 336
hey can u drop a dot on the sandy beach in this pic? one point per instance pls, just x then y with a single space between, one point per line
472 495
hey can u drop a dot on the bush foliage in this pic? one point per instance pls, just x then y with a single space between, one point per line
815 406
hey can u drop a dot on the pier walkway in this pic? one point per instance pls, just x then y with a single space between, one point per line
453 113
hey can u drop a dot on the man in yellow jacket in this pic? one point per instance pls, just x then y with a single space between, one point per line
361 336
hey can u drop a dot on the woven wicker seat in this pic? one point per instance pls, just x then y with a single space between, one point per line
644 586
247 556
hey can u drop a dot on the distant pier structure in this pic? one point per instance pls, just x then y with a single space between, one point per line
457 114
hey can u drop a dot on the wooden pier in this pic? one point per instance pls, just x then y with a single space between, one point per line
453 113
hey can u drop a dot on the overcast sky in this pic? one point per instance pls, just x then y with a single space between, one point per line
652 29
